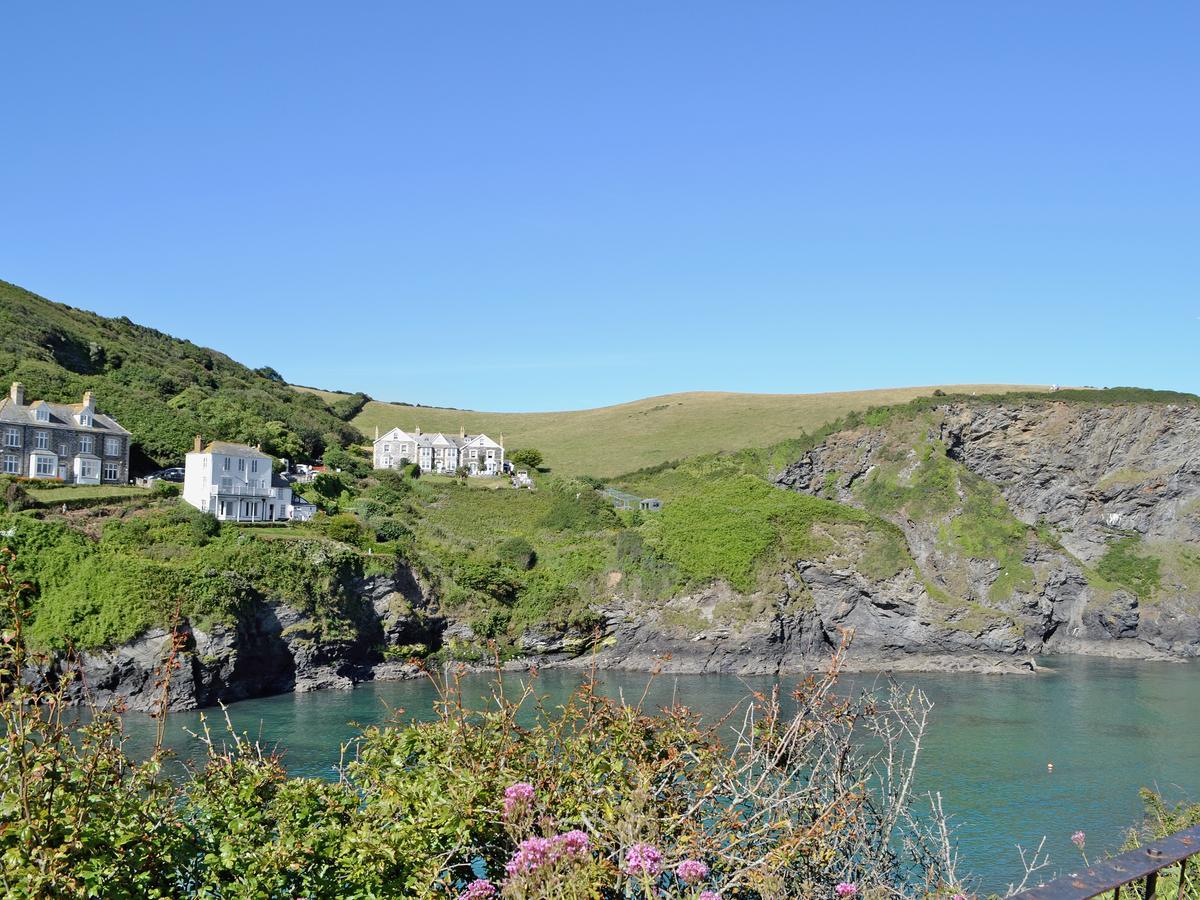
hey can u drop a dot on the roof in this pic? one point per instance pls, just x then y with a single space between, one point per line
622 495
233 449
62 415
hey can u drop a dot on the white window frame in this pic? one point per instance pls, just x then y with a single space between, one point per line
85 443
112 446
241 464
85 420
12 437
41 440
42 414
50 464
111 471
12 464
225 464
254 465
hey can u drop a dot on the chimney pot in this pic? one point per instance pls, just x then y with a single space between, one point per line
89 399
17 393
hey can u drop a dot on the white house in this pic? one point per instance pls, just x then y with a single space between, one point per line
236 484
439 453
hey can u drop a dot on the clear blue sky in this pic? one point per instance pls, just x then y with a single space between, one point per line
557 205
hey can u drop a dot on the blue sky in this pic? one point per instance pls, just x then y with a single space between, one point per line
559 205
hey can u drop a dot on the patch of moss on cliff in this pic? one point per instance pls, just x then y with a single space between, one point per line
1125 565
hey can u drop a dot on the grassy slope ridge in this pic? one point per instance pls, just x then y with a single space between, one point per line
163 389
614 439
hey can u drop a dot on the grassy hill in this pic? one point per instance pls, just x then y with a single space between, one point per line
612 440
163 389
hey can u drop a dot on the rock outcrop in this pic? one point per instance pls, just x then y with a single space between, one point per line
276 649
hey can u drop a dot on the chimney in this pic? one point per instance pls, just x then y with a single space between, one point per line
418 431
198 445
17 393
89 399
462 432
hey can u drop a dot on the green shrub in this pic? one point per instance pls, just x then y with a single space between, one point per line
517 553
488 577
527 457
345 528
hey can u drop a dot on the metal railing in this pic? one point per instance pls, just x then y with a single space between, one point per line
1143 865
239 489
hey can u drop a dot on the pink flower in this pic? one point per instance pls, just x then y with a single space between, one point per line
709 895
643 859
691 870
846 889
479 889
537 852
574 842
959 897
517 795
1077 839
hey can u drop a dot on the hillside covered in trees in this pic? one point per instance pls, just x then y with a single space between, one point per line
163 389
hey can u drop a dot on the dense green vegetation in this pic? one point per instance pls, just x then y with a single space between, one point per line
107 576
163 389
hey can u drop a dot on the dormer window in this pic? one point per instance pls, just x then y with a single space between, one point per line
85 420
42 414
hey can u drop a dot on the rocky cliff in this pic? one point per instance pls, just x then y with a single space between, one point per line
1039 528
275 650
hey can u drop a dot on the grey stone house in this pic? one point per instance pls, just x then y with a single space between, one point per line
71 442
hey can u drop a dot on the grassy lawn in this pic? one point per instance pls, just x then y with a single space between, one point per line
612 440
63 492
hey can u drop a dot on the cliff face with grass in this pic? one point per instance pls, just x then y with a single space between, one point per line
947 535
1047 527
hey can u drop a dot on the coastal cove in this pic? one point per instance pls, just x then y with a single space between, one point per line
1108 726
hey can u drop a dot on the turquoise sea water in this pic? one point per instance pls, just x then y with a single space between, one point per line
1108 726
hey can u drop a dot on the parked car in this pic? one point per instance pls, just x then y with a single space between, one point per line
173 474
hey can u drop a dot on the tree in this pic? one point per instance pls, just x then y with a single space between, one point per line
528 457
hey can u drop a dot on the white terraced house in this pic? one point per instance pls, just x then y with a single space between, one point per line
236 483
71 442
439 453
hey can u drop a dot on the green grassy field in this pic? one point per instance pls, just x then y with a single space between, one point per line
612 440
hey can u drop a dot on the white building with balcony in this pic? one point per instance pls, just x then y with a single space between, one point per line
477 453
236 483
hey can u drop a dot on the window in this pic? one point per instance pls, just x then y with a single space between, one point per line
85 420
241 465
41 440
12 437
225 463
227 483
62 449
45 465
88 468
43 414
111 471
85 443
112 447
12 465
254 465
